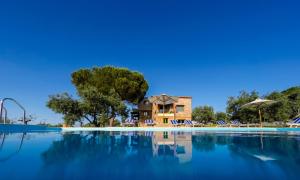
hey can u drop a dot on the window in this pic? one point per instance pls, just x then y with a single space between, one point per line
180 108
164 109
145 113
165 121
161 109
166 135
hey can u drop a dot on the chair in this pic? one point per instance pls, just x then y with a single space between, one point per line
188 123
197 124
221 123
235 123
129 122
174 122
149 122
295 122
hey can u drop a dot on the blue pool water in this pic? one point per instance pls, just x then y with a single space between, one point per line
149 155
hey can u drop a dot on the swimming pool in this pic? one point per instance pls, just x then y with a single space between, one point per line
196 154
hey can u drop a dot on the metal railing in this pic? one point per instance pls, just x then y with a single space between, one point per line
5 115
2 109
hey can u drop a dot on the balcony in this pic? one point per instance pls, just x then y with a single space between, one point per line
165 114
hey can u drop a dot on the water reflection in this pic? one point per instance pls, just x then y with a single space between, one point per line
15 151
150 155
160 154
177 145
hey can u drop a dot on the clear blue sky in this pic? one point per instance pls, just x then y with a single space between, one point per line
206 49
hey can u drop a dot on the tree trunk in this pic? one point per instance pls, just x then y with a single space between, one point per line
95 121
111 121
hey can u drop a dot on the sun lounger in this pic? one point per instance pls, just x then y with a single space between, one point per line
188 123
221 123
253 125
295 122
235 123
174 122
197 124
149 122
129 122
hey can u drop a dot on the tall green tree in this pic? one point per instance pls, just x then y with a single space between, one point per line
287 106
221 116
66 105
104 94
127 85
293 95
234 107
203 114
279 111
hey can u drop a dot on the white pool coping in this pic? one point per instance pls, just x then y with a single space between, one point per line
66 129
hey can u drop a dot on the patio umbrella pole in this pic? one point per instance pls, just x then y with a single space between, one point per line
260 118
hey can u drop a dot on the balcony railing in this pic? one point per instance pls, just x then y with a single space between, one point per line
165 114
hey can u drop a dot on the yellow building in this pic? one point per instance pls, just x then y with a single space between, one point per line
163 108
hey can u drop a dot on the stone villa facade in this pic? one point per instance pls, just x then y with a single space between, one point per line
163 108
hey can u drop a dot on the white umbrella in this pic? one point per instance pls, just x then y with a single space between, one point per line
258 103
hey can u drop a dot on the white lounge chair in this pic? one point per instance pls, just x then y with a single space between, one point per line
295 122
197 124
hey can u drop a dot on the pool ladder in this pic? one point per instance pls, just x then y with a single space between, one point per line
4 110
